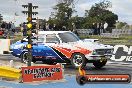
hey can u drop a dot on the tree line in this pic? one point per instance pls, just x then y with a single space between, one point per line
98 13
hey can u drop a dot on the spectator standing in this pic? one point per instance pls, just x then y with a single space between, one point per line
101 28
8 27
3 25
98 28
94 28
50 27
44 27
4 28
13 27
24 29
34 28
105 26
47 27
21 27
74 29
55 27
63 28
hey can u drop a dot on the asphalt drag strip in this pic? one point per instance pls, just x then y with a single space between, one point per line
70 81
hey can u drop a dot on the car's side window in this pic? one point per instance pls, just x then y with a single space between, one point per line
52 38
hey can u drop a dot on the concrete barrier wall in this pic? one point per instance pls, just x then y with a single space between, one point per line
4 45
9 72
116 33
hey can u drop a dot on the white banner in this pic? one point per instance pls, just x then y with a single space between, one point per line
122 53
4 45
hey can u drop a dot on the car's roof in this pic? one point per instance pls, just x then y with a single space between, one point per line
52 32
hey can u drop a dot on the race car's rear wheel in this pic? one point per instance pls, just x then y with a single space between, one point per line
100 63
24 57
77 60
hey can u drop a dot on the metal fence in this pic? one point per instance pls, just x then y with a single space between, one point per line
85 32
116 33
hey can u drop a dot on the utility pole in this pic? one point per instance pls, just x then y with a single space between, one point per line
29 31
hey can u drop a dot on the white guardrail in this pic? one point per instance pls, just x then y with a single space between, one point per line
4 45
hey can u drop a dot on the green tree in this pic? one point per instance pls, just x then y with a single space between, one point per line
42 22
62 15
122 25
79 21
89 21
100 13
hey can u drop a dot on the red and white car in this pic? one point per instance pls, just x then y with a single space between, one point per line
68 45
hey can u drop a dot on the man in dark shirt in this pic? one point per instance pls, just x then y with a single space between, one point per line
94 28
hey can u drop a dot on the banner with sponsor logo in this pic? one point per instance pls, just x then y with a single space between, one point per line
103 78
39 73
122 53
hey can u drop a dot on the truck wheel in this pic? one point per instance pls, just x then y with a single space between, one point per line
99 63
24 58
77 60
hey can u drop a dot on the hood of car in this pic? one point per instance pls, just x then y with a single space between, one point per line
18 45
90 45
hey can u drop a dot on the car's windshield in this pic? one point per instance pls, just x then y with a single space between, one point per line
68 37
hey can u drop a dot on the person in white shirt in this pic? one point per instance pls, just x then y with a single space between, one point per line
105 26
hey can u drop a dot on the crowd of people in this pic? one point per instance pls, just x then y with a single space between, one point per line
7 28
99 28
53 27
45 27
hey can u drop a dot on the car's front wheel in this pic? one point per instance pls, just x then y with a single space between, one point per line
100 63
77 60
24 57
